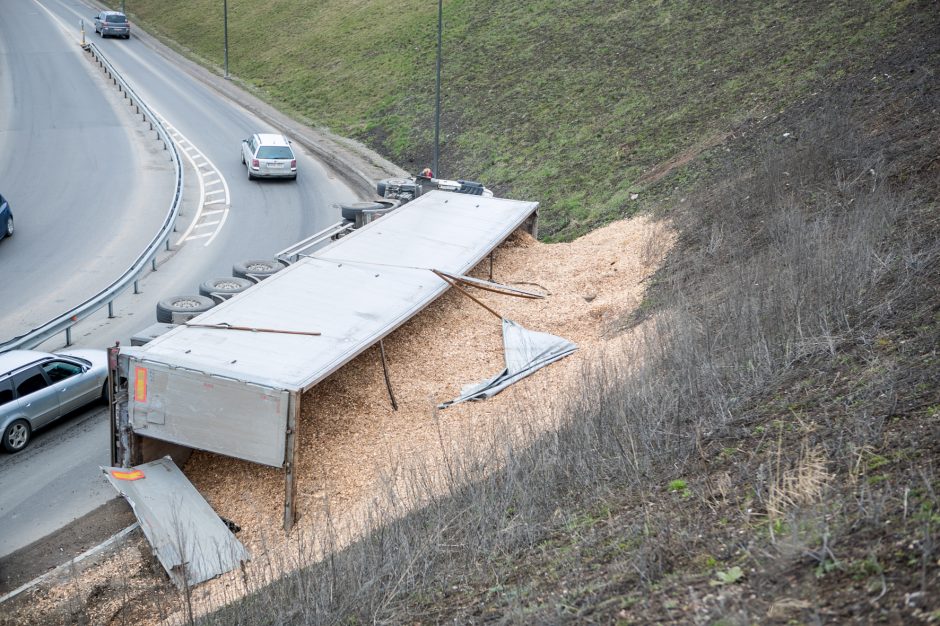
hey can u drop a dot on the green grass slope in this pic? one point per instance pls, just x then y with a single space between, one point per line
575 103
769 452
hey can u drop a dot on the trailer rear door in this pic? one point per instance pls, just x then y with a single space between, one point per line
194 409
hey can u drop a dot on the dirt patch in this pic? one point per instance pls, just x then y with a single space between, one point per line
51 551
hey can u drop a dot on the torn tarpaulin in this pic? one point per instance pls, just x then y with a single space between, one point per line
525 352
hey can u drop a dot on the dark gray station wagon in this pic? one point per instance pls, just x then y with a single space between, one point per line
112 23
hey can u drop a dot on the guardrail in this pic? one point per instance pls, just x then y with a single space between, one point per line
66 321
297 250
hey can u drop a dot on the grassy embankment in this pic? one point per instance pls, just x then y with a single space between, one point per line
772 455
572 103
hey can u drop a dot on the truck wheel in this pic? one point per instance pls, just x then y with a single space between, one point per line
182 304
260 268
350 211
224 286
16 436
404 184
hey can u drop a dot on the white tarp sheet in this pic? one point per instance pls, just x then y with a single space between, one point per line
525 351
190 540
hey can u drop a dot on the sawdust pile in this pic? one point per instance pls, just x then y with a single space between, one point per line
349 434
351 440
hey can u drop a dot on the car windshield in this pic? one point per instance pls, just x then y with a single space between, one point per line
118 19
275 152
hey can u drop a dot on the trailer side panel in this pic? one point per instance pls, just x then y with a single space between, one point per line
198 410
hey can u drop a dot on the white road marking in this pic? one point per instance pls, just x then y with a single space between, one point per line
187 148
204 200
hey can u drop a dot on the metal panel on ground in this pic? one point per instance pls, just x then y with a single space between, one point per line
190 540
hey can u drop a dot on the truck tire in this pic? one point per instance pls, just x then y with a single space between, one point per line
350 211
224 286
261 268
182 304
404 184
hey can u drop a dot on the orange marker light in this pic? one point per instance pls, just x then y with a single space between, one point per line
140 384
131 475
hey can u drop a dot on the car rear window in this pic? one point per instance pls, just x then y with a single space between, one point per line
34 383
6 391
116 19
275 152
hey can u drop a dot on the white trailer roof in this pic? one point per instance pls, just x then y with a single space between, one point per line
354 292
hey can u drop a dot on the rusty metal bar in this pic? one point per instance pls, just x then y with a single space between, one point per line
388 381
453 283
506 290
227 326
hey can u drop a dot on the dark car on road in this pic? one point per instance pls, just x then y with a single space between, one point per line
6 218
108 23
37 388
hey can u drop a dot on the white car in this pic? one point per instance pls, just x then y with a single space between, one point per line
269 156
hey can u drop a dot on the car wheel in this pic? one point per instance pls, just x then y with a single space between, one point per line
250 175
258 268
182 304
105 393
224 286
8 231
16 436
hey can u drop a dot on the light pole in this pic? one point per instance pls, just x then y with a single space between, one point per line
225 33
437 108
122 8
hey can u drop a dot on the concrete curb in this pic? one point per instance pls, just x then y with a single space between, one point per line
101 547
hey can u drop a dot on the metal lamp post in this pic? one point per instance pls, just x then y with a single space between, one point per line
437 108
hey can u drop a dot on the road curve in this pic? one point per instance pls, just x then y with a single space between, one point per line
88 185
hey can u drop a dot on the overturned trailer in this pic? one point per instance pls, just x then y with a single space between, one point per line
231 380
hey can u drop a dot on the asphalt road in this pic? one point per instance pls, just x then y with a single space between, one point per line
87 188
226 219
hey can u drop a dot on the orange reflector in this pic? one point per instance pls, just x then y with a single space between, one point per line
130 475
140 384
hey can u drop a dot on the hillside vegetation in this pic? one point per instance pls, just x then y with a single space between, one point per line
575 103
765 448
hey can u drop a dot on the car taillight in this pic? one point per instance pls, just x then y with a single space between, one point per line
293 164
255 164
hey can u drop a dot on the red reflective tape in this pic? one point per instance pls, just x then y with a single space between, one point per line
140 384
125 475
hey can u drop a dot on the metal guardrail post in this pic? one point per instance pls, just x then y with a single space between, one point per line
67 320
